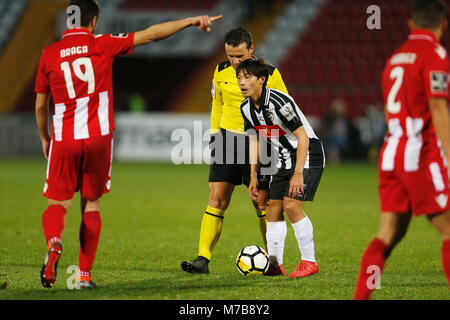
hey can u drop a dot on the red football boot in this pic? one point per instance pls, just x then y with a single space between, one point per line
304 269
49 269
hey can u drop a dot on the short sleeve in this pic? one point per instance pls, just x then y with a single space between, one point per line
42 84
217 104
117 43
289 115
436 73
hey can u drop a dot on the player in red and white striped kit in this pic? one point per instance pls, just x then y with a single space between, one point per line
77 72
413 164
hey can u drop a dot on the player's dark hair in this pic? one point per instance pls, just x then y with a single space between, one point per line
428 14
255 68
88 8
237 36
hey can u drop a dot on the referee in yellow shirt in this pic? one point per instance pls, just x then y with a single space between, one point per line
227 124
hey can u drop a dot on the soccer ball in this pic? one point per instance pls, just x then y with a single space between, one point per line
252 260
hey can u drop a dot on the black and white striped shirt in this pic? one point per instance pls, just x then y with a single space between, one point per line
276 118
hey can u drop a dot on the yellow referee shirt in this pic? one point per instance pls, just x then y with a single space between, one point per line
227 97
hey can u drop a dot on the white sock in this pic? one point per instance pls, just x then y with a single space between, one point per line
276 234
304 234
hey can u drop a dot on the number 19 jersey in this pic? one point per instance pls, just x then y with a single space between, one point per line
413 175
77 71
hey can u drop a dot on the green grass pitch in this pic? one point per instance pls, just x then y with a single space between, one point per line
151 223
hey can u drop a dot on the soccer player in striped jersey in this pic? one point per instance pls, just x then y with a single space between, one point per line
413 165
274 116
228 136
77 72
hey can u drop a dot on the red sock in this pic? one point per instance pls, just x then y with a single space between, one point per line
89 236
446 259
53 223
375 255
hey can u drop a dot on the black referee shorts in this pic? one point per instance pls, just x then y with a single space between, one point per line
235 174
232 163
279 185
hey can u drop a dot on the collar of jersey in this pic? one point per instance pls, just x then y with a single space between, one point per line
76 32
263 101
422 34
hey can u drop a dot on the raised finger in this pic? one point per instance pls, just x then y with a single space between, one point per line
215 18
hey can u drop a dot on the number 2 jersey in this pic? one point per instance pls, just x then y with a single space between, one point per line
416 72
77 71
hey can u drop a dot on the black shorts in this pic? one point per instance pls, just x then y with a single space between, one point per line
232 163
279 185
236 174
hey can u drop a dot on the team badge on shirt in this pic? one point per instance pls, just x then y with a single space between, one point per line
288 112
439 81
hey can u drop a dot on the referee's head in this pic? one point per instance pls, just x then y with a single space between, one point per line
430 15
238 46
252 76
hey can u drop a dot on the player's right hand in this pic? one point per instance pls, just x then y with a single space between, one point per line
253 189
45 146
204 22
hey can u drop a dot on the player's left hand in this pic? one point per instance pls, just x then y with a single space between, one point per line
296 185
204 23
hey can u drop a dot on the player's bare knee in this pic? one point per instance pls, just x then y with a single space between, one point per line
93 205
219 202
445 235
393 227
293 209
292 205
391 237
63 203
259 205
219 198
441 223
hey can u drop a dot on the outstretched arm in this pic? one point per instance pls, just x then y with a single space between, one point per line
166 29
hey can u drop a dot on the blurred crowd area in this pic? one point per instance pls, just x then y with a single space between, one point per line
329 58
347 138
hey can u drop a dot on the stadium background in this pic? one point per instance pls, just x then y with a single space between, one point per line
331 64
329 59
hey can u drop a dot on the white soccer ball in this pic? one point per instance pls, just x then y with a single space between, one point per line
252 260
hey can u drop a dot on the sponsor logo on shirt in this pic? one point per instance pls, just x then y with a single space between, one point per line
288 112
439 81
270 132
